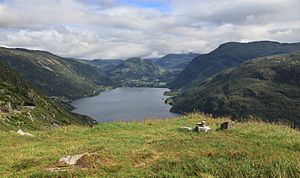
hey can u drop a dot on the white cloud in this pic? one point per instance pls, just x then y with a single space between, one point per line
110 29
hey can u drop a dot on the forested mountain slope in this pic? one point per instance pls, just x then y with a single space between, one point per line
267 88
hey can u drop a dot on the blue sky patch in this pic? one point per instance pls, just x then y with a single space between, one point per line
162 6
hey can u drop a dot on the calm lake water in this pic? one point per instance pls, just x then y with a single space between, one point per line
125 104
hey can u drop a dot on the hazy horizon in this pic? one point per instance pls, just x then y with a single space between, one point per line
147 58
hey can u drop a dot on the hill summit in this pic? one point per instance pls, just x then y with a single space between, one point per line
228 55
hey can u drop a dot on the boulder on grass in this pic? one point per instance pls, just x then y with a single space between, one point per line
72 160
85 160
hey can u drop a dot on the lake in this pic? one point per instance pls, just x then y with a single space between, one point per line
125 104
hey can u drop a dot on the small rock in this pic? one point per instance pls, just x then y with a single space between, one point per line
72 160
226 125
21 132
201 127
55 125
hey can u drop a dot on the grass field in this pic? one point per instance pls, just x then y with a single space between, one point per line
155 148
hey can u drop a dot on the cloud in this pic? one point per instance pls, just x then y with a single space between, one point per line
126 28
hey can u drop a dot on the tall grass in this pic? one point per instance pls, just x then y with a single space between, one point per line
156 148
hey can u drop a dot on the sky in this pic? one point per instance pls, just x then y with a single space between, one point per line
119 29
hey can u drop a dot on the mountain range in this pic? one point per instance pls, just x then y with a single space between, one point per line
267 88
153 72
74 78
225 56
29 78
229 81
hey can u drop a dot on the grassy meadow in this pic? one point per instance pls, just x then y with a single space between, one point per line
155 148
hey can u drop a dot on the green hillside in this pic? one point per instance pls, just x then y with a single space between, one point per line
173 64
268 88
176 61
54 75
136 72
23 107
155 148
143 72
135 68
106 65
228 55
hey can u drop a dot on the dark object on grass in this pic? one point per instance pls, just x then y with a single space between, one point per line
226 125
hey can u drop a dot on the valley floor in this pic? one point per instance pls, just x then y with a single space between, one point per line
155 148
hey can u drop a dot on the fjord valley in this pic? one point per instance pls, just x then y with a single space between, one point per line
260 94
73 78
256 88
66 79
153 72
141 88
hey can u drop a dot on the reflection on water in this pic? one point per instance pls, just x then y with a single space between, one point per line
125 104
